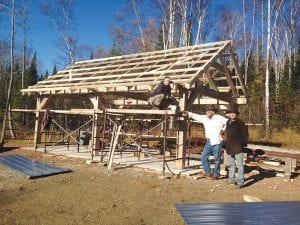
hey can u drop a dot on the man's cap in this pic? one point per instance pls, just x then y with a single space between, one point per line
211 108
233 110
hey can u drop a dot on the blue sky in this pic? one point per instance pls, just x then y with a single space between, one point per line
92 17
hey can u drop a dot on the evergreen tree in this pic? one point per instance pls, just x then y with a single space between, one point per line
115 50
32 73
160 39
45 75
255 89
295 83
54 71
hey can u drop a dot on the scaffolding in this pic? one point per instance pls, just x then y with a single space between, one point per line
136 132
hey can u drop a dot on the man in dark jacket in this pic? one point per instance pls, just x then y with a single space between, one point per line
237 138
161 96
47 120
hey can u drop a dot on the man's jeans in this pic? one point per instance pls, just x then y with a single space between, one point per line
156 99
209 149
236 161
161 101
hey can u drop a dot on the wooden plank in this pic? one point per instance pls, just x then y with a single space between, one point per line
214 101
147 82
88 112
228 88
145 86
223 78
275 149
141 111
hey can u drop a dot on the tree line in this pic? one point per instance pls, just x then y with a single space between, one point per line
265 35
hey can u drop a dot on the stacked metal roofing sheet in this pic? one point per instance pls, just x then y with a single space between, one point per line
241 213
31 168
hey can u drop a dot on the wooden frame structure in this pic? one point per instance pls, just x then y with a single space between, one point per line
199 73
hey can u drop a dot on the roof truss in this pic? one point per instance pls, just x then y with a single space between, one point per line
137 74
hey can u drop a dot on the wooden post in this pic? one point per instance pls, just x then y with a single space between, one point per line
288 167
41 103
96 134
181 141
224 165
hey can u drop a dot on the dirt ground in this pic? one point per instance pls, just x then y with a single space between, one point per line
92 195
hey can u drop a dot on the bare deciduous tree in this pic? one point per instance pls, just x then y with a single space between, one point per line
7 114
60 12
137 12
183 9
230 26
201 14
248 49
270 32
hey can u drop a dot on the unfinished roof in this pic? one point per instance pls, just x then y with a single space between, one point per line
141 72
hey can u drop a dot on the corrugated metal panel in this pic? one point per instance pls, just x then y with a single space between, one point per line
31 168
243 213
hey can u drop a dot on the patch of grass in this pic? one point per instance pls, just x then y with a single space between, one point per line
286 138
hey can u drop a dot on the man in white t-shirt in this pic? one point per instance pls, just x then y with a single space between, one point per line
214 126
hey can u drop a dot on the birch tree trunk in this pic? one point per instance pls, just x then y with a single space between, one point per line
248 50
200 16
24 25
292 28
269 44
139 21
245 43
7 114
183 12
267 86
170 42
262 26
60 12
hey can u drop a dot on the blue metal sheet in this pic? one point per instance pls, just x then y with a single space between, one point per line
242 213
31 168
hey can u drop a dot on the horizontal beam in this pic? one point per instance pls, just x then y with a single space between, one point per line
88 112
213 93
141 111
274 149
213 101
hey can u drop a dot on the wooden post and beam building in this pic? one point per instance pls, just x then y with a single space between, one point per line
201 74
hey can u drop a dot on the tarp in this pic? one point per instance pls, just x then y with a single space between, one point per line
31 168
